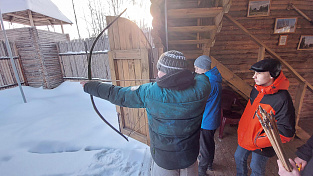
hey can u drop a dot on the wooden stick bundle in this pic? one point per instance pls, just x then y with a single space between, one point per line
270 127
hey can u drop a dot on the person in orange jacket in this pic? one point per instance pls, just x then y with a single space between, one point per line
271 93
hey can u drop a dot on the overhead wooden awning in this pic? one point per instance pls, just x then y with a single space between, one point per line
32 13
27 17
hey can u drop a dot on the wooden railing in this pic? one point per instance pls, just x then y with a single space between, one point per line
303 83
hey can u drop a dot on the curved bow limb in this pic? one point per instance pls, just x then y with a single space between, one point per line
89 76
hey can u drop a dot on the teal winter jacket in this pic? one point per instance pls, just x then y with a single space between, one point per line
174 116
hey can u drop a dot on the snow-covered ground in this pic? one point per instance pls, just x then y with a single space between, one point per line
57 133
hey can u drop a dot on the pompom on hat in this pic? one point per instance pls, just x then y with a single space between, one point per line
273 66
172 61
203 62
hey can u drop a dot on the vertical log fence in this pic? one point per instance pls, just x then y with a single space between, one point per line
7 78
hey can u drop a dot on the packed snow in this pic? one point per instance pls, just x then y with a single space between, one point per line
57 133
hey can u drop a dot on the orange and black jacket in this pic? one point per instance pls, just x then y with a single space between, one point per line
274 98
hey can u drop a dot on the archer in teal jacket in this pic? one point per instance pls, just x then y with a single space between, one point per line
174 105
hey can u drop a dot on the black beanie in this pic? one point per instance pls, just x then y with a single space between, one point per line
172 61
273 66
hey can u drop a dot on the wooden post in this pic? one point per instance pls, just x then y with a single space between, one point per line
261 53
31 18
299 100
62 27
298 105
206 50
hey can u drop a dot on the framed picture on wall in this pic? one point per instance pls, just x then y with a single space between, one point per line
306 42
259 8
285 25
282 40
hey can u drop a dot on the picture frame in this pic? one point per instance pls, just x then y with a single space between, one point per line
306 42
282 40
259 8
285 25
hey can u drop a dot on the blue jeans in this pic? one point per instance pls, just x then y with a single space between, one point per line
258 162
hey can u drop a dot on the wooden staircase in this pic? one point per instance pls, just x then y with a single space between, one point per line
188 26
193 30
191 27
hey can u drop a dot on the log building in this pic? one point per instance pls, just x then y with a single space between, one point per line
238 33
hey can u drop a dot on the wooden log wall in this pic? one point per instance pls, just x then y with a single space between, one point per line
7 76
38 55
74 59
237 52
49 57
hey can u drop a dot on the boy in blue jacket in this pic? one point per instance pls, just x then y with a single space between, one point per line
212 113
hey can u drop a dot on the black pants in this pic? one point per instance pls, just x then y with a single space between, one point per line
207 149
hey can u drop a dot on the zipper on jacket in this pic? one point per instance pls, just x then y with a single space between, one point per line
257 136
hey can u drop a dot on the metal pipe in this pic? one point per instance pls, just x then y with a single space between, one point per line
11 58
166 31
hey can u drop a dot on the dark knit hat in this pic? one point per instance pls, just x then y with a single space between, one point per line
203 62
172 61
271 65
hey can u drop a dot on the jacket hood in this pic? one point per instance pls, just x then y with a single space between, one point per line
214 75
179 80
280 83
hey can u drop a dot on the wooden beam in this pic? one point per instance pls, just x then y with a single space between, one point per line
195 12
16 16
44 19
127 54
303 135
25 18
218 18
232 78
271 52
189 29
301 13
190 42
191 55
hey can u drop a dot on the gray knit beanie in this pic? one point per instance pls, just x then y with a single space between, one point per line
203 62
172 61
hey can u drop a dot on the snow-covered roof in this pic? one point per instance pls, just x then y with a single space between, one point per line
44 12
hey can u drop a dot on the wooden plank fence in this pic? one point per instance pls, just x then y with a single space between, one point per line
73 58
7 77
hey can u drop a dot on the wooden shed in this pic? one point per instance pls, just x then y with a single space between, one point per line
36 48
39 55
237 34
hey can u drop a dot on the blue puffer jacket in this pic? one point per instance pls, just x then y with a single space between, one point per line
212 113
174 116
